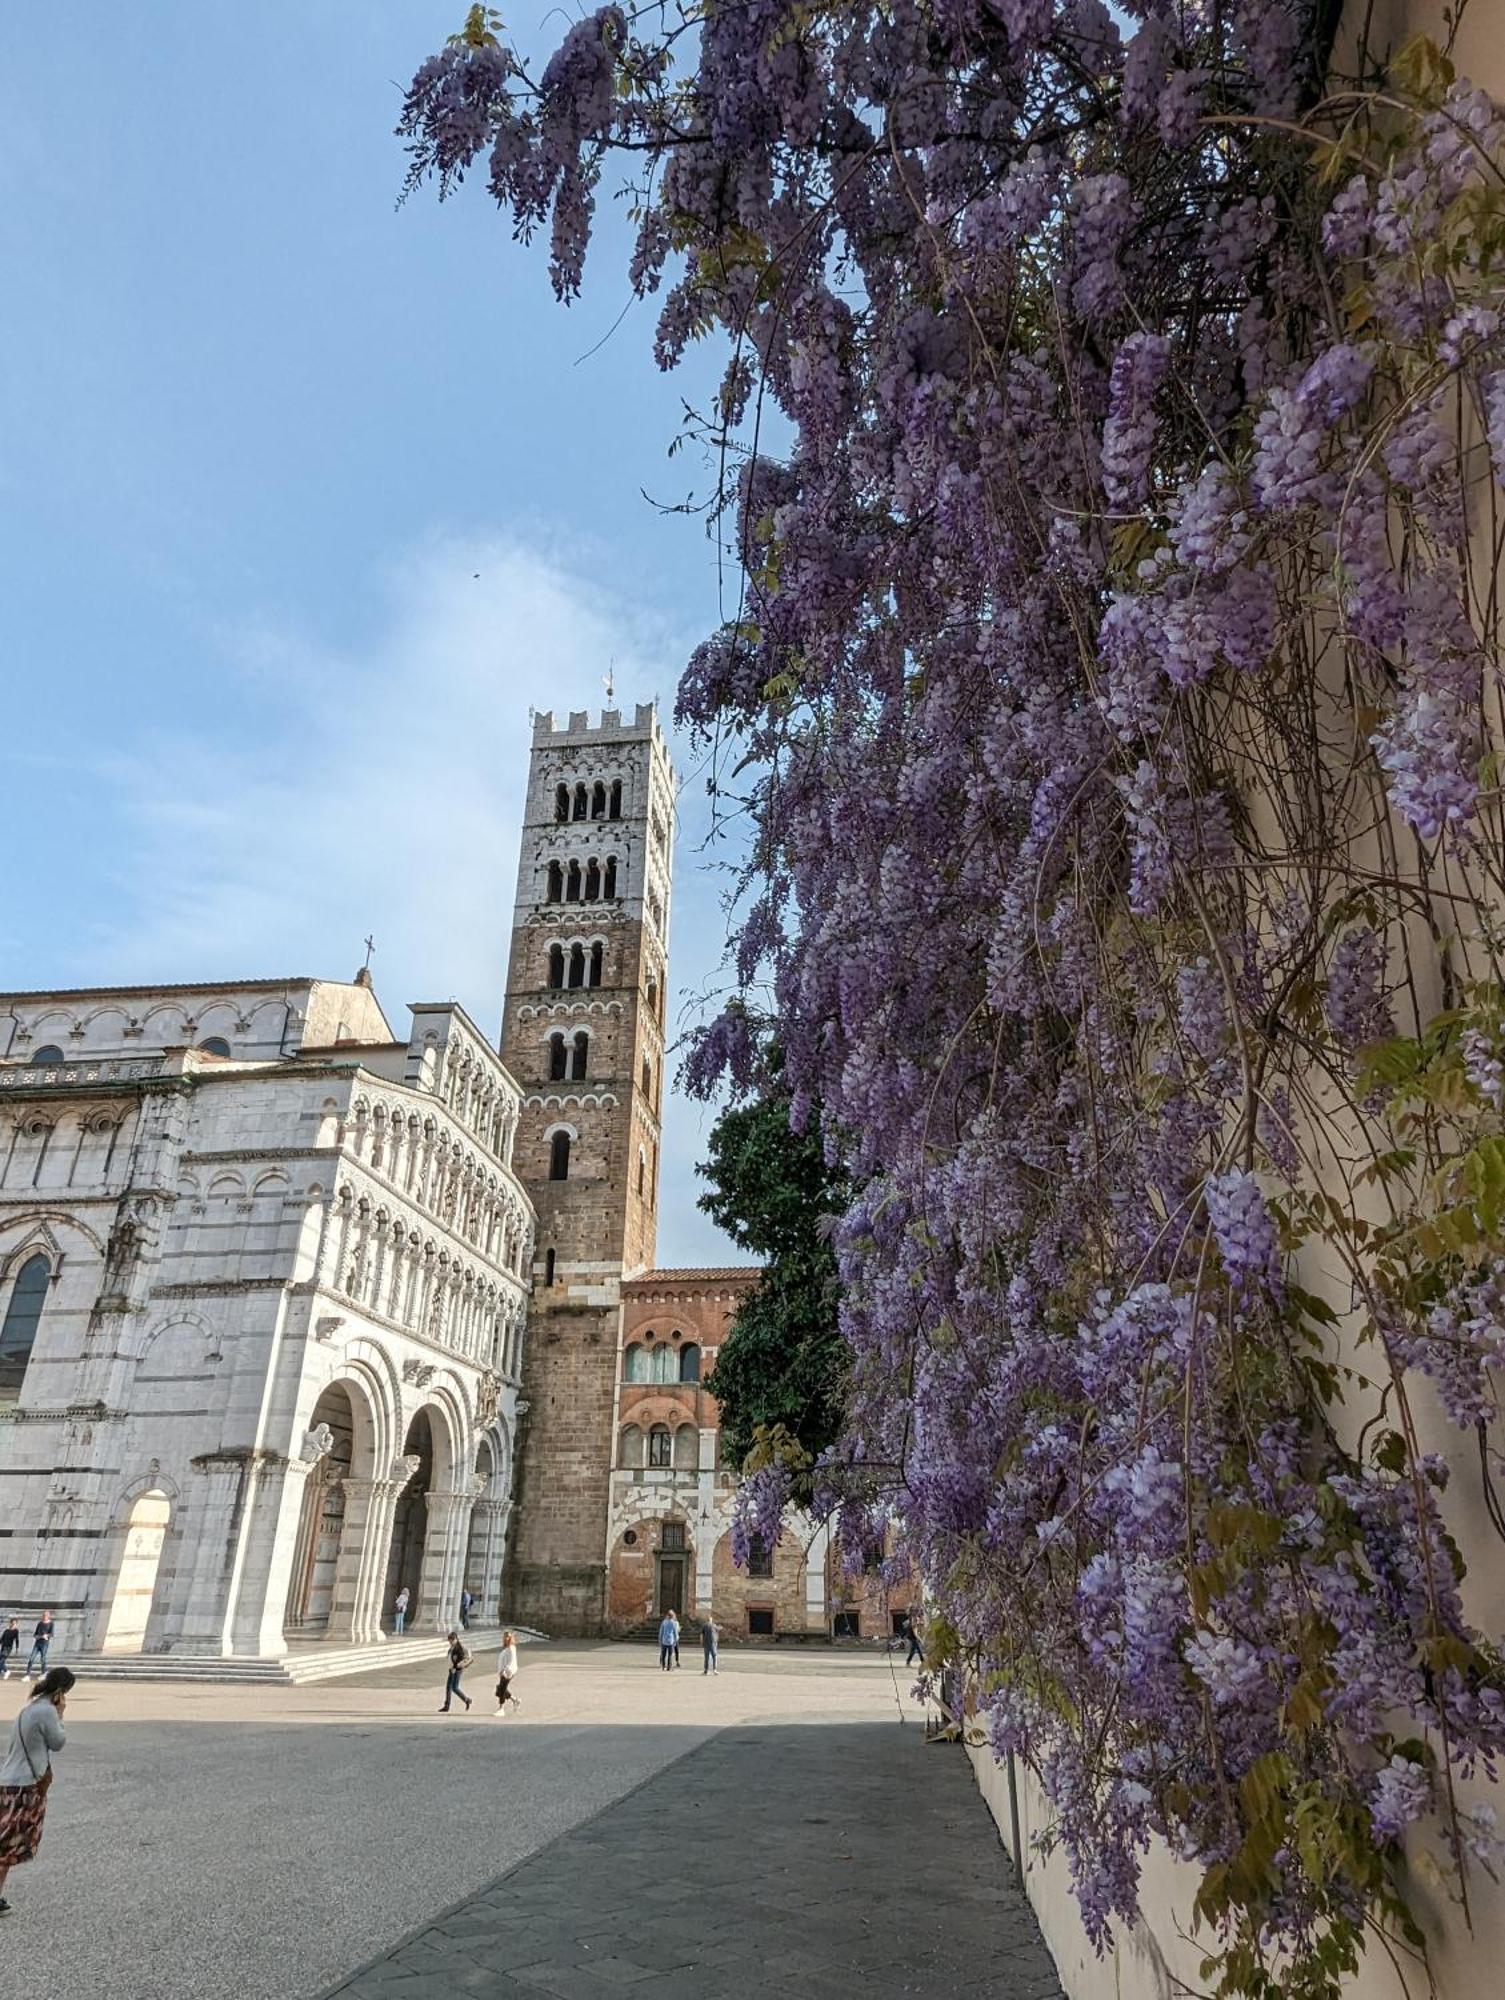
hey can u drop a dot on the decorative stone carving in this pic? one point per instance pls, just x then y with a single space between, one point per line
327 1327
316 1443
402 1469
478 1484
488 1399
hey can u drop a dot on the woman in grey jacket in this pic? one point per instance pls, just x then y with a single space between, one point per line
26 1774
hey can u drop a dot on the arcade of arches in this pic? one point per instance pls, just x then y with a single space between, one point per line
366 1531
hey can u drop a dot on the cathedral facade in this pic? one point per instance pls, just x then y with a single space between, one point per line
263 1286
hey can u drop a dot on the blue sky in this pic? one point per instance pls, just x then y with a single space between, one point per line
259 431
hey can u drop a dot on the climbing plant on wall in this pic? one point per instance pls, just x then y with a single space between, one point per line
1115 685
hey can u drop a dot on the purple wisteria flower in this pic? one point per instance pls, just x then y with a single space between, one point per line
1245 1234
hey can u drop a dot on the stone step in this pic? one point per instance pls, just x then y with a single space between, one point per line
296 1667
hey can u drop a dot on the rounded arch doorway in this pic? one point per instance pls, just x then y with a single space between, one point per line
135 1586
410 1522
321 1520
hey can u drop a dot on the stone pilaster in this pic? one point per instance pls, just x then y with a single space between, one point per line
355 1616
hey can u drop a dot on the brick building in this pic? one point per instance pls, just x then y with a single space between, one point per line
622 1507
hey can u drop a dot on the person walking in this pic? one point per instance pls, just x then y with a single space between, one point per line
674 1621
41 1640
400 1612
710 1645
506 1673
467 1605
10 1639
668 1634
916 1643
26 1774
459 1660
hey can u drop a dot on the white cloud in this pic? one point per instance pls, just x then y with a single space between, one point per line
382 792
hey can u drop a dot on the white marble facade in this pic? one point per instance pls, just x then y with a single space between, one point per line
262 1305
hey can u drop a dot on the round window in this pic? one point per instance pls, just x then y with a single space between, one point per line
630 1539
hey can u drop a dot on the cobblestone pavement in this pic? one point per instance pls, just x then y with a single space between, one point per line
810 1860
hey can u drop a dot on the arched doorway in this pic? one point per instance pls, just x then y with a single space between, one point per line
411 1520
131 1606
321 1523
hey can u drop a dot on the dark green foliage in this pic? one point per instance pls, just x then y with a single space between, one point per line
784 1364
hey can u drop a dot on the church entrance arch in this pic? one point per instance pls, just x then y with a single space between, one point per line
136 1583
411 1520
321 1521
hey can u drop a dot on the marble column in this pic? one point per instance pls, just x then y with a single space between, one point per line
493 1516
438 1606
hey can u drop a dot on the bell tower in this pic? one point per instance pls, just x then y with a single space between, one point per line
583 1035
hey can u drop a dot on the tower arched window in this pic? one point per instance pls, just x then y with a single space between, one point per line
557 1058
556 882
577 965
611 876
49 1052
581 805
660 1448
559 1157
548 1265
642 1172
579 1055
635 1363
562 802
689 1362
556 965
23 1312
598 800
614 809
598 960
663 1363
648 1079
653 997
572 883
593 881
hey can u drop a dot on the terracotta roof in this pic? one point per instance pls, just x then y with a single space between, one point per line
713 1275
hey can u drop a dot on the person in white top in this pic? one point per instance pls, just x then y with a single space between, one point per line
506 1673
26 1774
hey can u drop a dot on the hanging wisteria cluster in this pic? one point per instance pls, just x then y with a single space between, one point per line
1118 648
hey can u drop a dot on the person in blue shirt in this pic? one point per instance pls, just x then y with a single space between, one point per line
668 1642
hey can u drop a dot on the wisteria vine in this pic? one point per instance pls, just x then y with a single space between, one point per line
1118 663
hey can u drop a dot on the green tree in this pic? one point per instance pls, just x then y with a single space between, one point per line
781 1373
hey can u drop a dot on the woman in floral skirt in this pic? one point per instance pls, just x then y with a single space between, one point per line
26 1774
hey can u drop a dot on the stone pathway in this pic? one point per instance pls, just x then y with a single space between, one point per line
809 1860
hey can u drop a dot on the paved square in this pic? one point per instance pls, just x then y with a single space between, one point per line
632 1830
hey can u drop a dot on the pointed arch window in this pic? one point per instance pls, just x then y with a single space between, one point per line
561 802
556 882
556 965
579 1054
598 960
559 1157
557 1058
611 877
23 1313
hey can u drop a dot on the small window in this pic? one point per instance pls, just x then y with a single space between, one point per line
561 802
577 965
559 1157
572 883
598 959
760 1621
615 809
672 1538
611 876
578 1056
556 965
598 800
846 1625
548 1265
556 882
642 1172
592 881
689 1363
49 1052
581 802
557 1058
660 1448
759 1559
216 1045
648 1080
